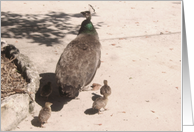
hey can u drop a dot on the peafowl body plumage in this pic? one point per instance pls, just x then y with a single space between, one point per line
79 61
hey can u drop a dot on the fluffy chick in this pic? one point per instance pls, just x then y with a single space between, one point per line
46 90
45 113
105 90
99 103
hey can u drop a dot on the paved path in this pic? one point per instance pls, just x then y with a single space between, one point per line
141 59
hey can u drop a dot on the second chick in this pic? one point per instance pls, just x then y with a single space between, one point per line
105 90
46 90
99 103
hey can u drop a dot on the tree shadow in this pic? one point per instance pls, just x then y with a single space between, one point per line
48 29
55 98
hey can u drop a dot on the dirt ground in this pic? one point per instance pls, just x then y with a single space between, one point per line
141 59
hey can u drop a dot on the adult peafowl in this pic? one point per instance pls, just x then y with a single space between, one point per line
80 60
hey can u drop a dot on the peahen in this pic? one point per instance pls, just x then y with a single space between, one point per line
80 60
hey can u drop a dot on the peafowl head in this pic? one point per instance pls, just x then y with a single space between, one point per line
87 26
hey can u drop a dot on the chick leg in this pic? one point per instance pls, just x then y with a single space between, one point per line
41 125
105 108
85 88
99 112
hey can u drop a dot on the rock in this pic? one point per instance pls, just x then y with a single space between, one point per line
15 108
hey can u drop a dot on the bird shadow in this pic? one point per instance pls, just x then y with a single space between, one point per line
55 98
35 122
92 111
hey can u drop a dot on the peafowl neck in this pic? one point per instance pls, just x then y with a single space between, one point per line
87 28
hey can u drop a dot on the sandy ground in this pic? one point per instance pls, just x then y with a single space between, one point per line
141 59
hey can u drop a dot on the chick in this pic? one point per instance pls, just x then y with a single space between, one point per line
99 103
46 90
105 90
45 113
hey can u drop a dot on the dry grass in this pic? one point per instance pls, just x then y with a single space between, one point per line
11 80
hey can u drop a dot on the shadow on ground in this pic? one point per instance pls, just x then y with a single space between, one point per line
45 29
90 111
35 122
55 98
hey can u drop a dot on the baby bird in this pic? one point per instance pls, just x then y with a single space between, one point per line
105 90
45 113
46 90
99 103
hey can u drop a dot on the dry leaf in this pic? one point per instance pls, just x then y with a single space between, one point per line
121 112
133 60
152 111
171 48
161 33
121 38
98 124
113 44
95 86
176 87
111 115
